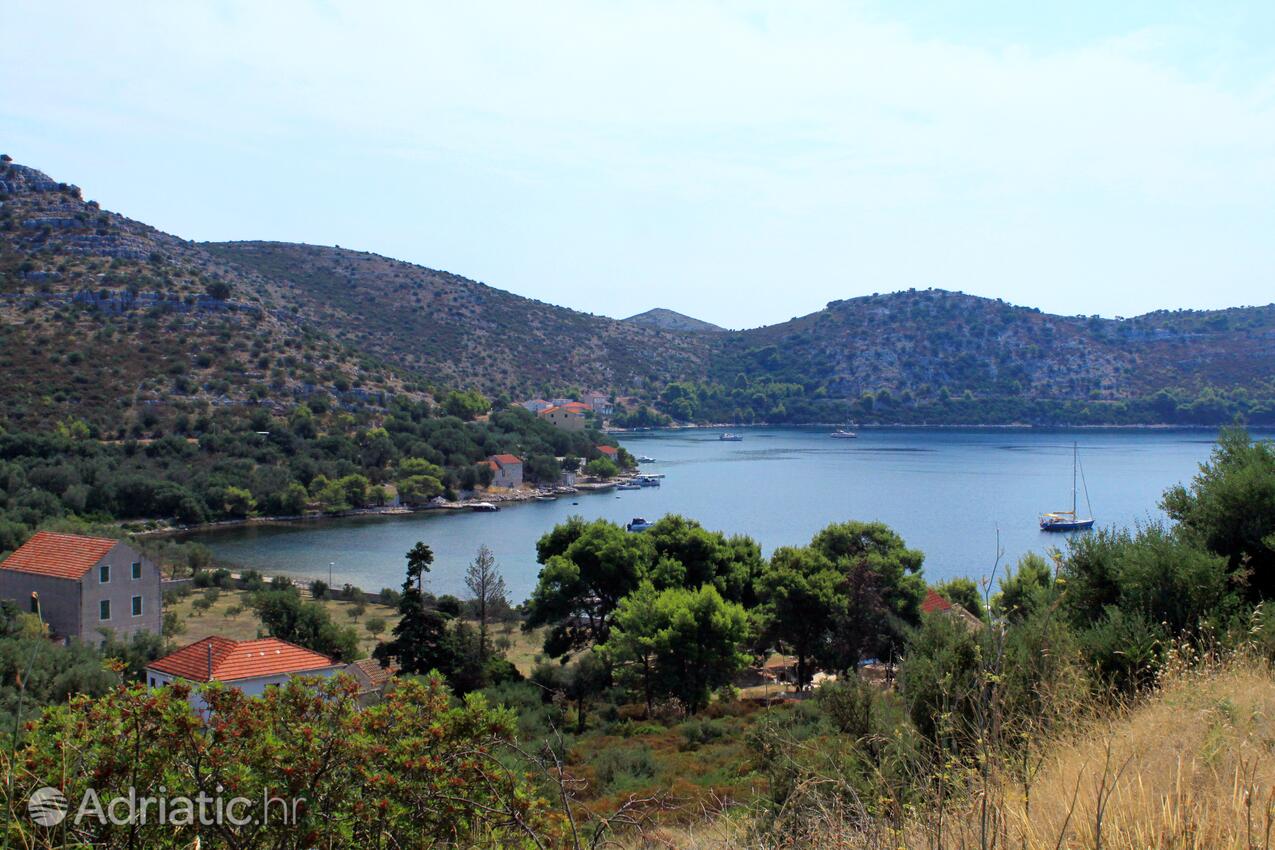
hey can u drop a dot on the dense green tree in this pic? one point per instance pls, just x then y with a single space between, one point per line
288 617
1025 589
422 641
963 591
685 642
1152 573
1230 508
588 568
801 593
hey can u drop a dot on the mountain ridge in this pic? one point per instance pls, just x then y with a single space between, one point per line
662 317
84 291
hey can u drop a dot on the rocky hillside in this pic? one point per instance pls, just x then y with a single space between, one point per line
457 332
671 320
922 342
110 320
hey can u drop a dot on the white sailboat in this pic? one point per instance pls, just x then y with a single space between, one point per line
1070 520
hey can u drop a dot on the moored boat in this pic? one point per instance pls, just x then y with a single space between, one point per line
1070 520
728 437
484 507
843 434
628 485
638 524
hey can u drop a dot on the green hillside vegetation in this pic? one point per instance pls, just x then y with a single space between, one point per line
234 464
110 321
1117 689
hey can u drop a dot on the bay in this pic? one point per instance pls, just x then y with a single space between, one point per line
949 492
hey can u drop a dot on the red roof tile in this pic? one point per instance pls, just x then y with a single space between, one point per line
934 603
59 555
232 660
506 458
609 451
379 676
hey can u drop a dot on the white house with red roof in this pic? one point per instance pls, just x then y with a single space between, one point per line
506 470
84 586
610 452
252 666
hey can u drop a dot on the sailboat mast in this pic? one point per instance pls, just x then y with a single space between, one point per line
1075 458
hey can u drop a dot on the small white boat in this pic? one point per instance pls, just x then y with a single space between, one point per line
647 481
843 434
546 497
483 507
628 485
728 437
638 524
645 459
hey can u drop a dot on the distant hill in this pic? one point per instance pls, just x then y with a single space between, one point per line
110 320
456 332
671 320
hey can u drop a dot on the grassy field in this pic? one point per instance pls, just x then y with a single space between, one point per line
232 617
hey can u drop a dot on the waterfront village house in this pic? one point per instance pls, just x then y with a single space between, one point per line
373 679
610 452
535 405
599 403
252 666
85 585
566 417
507 470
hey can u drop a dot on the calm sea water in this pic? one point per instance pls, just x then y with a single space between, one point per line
948 492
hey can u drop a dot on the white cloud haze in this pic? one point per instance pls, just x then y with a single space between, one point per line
743 163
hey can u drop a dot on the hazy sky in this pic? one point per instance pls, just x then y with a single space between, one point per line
740 162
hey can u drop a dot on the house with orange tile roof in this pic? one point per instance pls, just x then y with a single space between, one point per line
84 587
252 666
610 452
568 417
506 470
373 679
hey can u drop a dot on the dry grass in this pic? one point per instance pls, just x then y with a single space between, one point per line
523 649
244 625
1191 768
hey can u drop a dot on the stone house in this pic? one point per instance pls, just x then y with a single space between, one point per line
566 417
84 586
506 469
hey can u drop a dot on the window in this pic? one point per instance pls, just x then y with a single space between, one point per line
35 604
104 609
137 606
137 570
152 681
104 573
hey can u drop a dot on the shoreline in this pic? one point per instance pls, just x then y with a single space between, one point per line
507 497
932 426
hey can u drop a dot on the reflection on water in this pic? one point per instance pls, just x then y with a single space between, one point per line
947 492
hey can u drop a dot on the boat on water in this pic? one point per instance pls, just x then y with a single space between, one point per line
638 524
1071 520
728 437
645 459
628 485
484 507
843 434
546 497
647 481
